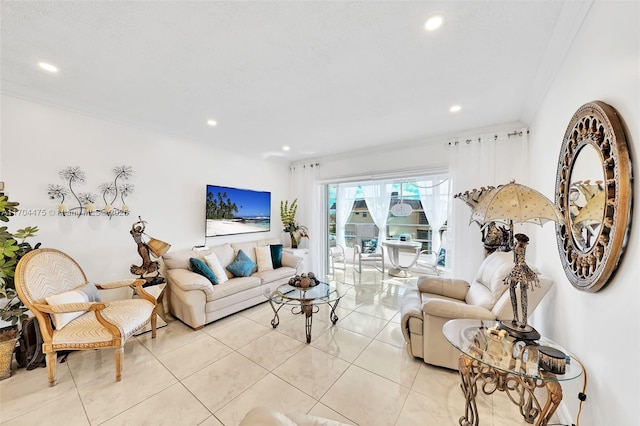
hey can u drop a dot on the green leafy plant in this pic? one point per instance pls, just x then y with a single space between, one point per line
288 218
12 247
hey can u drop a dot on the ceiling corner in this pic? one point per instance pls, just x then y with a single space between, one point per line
567 27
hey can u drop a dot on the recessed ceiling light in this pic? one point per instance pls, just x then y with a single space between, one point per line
433 23
212 123
455 108
47 67
286 148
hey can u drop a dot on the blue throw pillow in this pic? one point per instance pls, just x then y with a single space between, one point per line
242 266
200 267
369 245
441 257
276 255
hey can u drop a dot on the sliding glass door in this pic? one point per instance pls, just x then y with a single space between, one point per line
412 208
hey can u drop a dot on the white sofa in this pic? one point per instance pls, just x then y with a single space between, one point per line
436 300
196 301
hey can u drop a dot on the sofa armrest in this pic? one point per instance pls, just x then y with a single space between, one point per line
456 289
291 260
188 281
411 308
451 309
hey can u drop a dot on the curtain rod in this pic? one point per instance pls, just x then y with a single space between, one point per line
515 133
304 166
396 174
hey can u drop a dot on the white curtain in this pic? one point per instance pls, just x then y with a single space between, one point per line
311 205
345 196
489 159
434 196
377 196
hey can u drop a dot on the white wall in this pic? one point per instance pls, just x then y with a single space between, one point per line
420 155
170 177
408 158
603 328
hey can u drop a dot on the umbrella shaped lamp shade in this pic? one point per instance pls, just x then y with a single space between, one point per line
516 203
592 213
472 198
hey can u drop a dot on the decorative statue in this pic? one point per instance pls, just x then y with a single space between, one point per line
495 238
522 275
148 266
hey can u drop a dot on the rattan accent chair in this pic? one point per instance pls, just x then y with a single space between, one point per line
46 275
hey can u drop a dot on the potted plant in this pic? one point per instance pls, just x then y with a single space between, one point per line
12 247
288 217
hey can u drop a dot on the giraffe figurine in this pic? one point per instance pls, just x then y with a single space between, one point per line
522 275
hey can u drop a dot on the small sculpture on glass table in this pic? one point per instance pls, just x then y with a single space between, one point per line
521 275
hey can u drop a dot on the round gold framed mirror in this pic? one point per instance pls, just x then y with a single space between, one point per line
593 192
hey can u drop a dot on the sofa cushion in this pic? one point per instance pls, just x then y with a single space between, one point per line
263 258
177 259
225 255
268 242
489 285
276 255
215 265
242 266
275 274
199 266
233 286
249 248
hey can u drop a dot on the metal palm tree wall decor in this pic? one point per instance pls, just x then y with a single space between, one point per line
112 191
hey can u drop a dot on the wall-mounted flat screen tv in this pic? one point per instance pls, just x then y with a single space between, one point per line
232 211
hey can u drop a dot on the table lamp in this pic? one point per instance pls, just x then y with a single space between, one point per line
153 247
493 237
520 204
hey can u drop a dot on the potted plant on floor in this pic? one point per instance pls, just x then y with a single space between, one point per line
12 247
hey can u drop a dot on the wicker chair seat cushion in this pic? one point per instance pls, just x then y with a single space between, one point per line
128 315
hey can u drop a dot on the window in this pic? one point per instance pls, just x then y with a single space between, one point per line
410 223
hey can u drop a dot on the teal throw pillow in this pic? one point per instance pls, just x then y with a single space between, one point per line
200 267
242 266
369 245
442 254
276 255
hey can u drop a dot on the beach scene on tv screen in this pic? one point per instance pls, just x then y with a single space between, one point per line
236 211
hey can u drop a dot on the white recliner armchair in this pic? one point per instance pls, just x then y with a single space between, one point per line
436 300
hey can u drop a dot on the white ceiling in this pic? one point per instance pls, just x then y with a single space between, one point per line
322 77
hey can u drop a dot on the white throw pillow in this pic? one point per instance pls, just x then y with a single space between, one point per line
215 265
263 259
86 293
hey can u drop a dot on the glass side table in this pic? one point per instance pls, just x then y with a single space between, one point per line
304 301
492 362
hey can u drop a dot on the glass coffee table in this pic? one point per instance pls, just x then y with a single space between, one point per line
305 301
490 362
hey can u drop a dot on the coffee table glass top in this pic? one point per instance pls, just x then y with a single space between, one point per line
305 302
518 357
321 293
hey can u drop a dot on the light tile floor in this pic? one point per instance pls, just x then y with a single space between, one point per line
356 371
